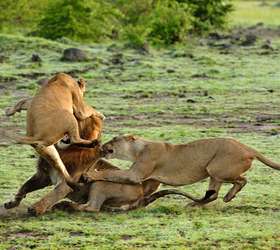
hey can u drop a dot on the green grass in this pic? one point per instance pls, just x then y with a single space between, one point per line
166 95
252 12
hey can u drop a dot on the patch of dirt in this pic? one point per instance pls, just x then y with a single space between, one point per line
18 212
10 128
126 237
263 125
244 37
33 75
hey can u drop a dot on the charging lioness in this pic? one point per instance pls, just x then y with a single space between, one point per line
221 159
52 114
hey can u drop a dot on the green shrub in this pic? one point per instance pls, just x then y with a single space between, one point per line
66 18
135 36
208 14
161 22
169 22
79 20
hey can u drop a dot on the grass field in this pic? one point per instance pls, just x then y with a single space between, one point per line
206 88
252 12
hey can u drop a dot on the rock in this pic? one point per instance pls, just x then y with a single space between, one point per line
202 75
250 39
263 118
191 101
117 58
217 36
170 70
267 45
145 49
273 132
2 58
74 55
36 58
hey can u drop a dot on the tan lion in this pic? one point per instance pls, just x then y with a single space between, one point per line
53 113
221 159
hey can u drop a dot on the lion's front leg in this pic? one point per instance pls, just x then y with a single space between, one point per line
36 182
135 175
47 202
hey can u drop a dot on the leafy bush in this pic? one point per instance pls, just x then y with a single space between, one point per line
169 22
162 22
79 20
208 14
136 36
166 22
66 18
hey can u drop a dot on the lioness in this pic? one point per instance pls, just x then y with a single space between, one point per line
114 197
221 159
53 113
110 196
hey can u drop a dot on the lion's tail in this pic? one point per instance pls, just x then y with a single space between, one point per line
153 197
267 162
148 200
18 138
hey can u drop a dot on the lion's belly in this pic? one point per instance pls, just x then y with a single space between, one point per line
180 174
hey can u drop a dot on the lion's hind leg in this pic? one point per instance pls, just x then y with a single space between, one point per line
229 169
74 134
50 154
97 196
211 194
238 184
37 181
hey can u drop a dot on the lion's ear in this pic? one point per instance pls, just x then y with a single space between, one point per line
82 83
131 138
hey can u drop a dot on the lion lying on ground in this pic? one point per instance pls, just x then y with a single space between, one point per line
96 196
53 113
221 159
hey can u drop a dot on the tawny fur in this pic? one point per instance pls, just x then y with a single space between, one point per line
53 113
221 159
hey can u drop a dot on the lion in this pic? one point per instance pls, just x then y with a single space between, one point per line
224 160
53 113
115 197
83 161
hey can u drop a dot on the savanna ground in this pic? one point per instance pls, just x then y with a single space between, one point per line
210 87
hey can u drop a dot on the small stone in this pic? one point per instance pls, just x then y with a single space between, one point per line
170 71
191 101
36 58
250 39
74 55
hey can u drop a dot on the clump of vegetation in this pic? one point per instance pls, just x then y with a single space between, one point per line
169 22
66 18
208 14
161 22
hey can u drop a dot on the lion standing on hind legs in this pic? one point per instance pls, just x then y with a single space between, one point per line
53 113
76 161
